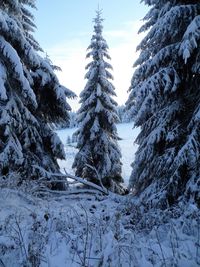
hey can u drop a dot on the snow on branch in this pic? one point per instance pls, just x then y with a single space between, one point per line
70 176
190 39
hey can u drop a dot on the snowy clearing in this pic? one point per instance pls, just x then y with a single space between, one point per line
127 145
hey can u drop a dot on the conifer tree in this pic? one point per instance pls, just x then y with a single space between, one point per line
165 102
26 19
31 98
98 158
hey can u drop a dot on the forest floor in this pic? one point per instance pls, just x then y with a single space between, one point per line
93 230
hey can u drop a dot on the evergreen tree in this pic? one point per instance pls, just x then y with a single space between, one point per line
99 156
31 98
27 22
165 102
73 119
123 114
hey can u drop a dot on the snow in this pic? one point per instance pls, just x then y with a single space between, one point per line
127 146
190 38
3 95
11 55
92 231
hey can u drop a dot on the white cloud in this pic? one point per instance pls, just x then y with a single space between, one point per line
70 56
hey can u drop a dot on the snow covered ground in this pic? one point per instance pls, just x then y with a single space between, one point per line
92 231
127 145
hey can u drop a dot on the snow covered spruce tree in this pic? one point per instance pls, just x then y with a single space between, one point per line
27 21
165 102
31 98
98 158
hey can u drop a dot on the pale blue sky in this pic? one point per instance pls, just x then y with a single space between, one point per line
65 28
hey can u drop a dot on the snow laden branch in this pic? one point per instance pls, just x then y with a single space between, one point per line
63 178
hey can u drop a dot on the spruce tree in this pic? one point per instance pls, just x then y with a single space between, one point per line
165 102
31 99
98 158
26 19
